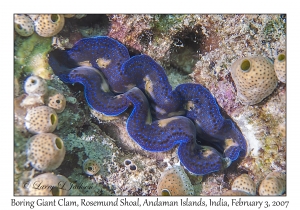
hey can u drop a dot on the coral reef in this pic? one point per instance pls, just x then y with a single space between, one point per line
192 48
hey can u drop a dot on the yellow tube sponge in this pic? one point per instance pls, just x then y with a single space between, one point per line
244 183
50 184
90 167
35 85
45 151
33 17
49 25
41 119
174 181
254 78
24 26
56 100
279 66
273 184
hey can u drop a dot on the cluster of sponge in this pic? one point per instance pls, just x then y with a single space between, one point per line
45 151
40 118
273 184
174 181
50 184
255 79
130 166
45 25
36 88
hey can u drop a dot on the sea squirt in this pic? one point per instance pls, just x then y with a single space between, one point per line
161 118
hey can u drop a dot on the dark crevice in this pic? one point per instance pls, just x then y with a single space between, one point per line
132 51
185 48
82 129
110 130
92 24
70 162
92 19
146 37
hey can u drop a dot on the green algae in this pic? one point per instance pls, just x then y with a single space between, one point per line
274 29
271 152
31 56
163 23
